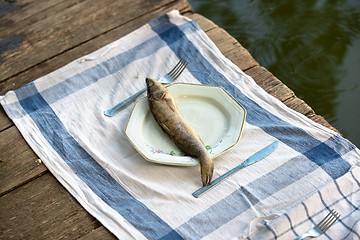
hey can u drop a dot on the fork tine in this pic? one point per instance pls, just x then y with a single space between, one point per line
328 220
322 226
325 218
176 66
333 220
167 78
179 71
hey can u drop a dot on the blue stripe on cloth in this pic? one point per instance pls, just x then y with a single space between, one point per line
214 216
318 152
89 171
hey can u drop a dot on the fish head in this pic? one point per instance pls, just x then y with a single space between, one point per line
150 83
155 89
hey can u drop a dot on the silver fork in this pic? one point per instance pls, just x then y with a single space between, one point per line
168 78
322 226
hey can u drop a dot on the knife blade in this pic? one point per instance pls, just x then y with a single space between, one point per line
261 154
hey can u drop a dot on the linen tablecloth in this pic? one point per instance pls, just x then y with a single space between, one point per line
61 117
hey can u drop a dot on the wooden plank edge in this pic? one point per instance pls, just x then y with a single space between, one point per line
19 163
23 183
5 121
100 233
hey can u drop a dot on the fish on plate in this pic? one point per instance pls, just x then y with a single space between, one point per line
166 114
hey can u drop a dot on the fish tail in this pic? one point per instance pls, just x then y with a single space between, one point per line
207 169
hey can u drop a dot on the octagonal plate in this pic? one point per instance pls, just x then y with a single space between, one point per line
214 114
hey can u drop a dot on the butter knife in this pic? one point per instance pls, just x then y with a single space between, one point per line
266 151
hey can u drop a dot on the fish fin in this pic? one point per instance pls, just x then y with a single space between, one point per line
170 103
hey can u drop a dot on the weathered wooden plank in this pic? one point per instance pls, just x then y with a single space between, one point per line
65 25
18 164
299 105
5 122
204 23
232 49
43 209
67 28
270 83
95 43
100 233
13 13
240 56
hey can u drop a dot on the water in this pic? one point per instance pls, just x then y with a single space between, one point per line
311 46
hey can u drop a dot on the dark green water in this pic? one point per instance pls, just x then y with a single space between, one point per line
311 46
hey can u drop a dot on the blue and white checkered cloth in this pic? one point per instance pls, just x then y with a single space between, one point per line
61 116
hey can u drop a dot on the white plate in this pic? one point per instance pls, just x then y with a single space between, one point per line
215 115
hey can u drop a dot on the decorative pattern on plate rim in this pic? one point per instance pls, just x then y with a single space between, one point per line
173 153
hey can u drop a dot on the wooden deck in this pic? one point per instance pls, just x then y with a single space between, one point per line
36 38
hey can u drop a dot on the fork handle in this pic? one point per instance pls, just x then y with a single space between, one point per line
120 106
302 237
